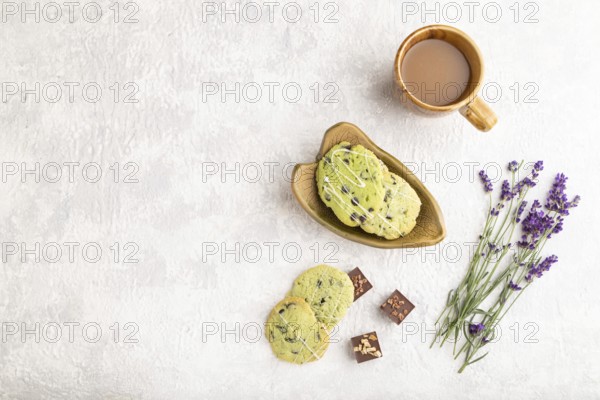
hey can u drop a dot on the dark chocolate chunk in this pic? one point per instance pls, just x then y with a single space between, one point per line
354 201
360 282
397 307
366 347
345 189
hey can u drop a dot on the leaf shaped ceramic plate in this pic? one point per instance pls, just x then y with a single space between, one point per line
430 228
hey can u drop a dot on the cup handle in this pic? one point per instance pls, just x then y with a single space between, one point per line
479 114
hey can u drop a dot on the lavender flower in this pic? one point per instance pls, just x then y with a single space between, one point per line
537 167
506 193
575 202
537 270
558 227
513 166
522 184
557 199
514 286
529 180
547 263
536 225
476 329
520 211
487 183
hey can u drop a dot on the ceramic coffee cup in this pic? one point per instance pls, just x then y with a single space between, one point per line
469 104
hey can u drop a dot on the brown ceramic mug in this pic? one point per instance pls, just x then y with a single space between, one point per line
469 104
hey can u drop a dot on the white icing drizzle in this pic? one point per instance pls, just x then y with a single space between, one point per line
353 179
343 178
328 318
301 341
383 217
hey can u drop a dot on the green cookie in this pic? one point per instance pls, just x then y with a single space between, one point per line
294 332
350 182
327 290
398 216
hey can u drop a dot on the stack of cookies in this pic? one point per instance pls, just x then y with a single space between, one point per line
298 326
361 191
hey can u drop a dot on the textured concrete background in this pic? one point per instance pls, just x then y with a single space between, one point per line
217 249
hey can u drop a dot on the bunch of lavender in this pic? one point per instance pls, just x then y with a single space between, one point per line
502 268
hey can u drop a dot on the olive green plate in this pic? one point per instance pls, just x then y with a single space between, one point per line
430 227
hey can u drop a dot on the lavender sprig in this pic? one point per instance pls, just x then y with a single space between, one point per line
500 267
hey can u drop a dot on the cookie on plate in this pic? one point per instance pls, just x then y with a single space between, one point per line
350 182
400 210
327 290
294 332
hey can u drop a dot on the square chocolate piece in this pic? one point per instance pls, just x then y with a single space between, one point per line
397 307
366 347
360 282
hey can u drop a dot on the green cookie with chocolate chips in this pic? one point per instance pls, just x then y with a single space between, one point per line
294 332
398 216
328 291
350 182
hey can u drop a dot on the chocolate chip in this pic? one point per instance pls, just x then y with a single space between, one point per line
281 328
371 209
345 189
319 283
347 161
327 197
354 201
362 219
353 216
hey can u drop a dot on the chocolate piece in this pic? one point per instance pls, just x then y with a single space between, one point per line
366 347
397 307
360 282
